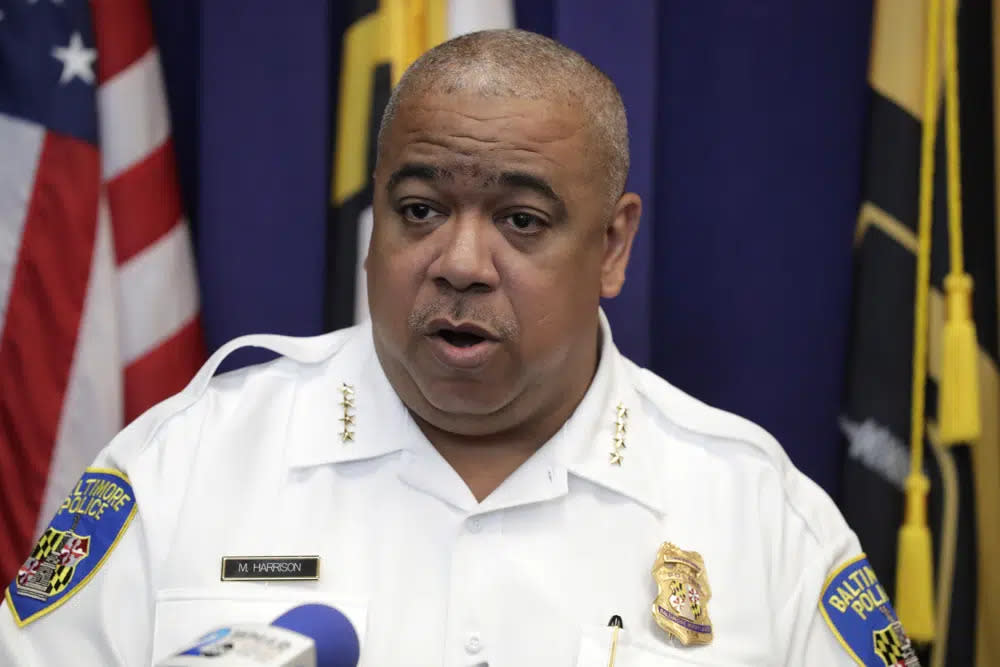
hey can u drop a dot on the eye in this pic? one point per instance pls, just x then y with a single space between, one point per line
524 223
418 212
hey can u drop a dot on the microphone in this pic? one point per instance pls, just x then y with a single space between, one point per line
310 635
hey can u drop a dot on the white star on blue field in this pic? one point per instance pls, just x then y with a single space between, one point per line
50 68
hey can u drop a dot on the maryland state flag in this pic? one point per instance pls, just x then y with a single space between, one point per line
382 38
932 79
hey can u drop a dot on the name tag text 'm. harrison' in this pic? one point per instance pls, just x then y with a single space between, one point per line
270 568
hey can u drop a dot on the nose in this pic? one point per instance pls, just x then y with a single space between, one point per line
465 261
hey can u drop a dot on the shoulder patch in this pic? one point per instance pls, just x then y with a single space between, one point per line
857 609
76 543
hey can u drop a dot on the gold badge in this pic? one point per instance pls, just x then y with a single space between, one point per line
681 606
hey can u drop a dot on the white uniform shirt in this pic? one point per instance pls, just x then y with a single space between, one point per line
252 464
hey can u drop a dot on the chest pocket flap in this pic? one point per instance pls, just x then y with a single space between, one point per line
184 615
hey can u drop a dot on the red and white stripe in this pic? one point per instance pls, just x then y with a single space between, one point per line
98 297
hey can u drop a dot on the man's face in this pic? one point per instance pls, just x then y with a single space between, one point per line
488 255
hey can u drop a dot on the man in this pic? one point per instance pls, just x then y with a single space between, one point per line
483 478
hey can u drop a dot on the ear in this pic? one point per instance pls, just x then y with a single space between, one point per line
618 236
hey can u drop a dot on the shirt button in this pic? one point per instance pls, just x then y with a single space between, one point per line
473 644
475 525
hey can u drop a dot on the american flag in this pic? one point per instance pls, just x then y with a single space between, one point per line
99 312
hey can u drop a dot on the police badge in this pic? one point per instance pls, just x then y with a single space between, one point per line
681 606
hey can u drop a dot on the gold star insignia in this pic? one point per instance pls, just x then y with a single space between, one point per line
621 426
347 402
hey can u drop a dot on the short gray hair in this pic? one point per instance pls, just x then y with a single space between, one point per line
518 63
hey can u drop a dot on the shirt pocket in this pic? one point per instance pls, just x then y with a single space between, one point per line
595 651
182 615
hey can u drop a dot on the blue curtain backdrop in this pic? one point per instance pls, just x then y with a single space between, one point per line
747 126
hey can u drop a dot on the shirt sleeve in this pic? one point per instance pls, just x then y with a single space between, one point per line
813 641
839 613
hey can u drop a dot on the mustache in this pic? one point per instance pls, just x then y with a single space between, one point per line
460 309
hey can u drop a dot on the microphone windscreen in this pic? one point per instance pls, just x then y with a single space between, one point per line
336 640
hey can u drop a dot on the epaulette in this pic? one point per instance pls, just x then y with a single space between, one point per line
802 494
302 350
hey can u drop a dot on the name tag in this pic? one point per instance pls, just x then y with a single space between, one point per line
270 568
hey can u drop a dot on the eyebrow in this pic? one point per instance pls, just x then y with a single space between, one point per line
512 179
419 171
523 180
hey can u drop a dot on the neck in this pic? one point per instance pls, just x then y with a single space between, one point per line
482 463
485 461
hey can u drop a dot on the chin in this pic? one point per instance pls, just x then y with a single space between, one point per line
458 399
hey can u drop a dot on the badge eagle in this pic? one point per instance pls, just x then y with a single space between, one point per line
681 606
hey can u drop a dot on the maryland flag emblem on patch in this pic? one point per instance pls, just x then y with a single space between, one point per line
888 647
52 564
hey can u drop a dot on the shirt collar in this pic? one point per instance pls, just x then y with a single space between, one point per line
585 443
382 424
374 422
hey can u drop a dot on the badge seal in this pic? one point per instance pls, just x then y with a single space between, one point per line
681 605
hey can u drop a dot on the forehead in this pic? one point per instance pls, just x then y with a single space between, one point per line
474 135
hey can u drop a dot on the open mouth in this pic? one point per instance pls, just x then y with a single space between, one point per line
462 345
460 338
